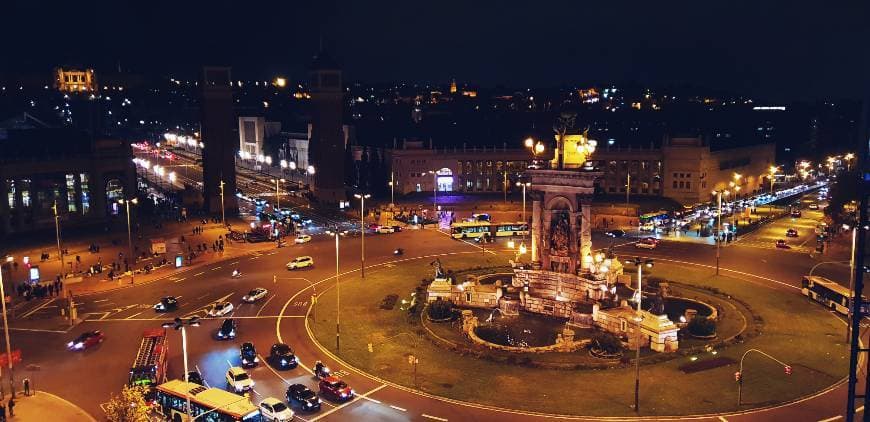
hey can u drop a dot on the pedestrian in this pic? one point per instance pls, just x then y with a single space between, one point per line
26 386
12 406
2 413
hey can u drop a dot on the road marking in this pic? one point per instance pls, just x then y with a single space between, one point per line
273 370
202 296
234 263
722 418
215 268
180 279
199 273
434 417
101 300
264 305
36 309
37 330
831 419
358 397
134 315
401 409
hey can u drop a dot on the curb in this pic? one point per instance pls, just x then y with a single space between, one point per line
68 403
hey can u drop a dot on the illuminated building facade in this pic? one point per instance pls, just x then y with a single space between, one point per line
73 80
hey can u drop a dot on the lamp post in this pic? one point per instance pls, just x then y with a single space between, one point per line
278 193
524 186
179 325
772 171
223 208
435 197
505 186
736 182
130 236
719 194
362 231
535 147
639 263
848 157
392 188
57 235
337 234
6 333
627 186
309 172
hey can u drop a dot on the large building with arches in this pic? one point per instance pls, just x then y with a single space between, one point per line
41 167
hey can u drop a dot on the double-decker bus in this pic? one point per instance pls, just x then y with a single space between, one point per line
827 292
206 404
149 367
473 229
511 229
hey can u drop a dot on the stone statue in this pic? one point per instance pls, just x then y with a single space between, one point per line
658 304
560 233
439 270
561 126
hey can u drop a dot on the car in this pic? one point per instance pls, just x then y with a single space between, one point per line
86 340
227 330
220 309
336 389
796 213
248 355
397 228
651 239
272 409
302 397
386 229
814 206
255 295
260 202
374 226
645 244
238 380
302 238
782 245
616 233
791 233
195 377
300 262
166 304
282 356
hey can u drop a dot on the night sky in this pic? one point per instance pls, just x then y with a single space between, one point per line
785 50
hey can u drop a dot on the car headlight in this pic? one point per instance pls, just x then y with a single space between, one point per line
244 360
343 395
232 333
283 361
70 344
79 345
308 404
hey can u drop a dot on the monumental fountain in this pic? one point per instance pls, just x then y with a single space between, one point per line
564 280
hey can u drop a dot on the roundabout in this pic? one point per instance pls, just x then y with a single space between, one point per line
377 342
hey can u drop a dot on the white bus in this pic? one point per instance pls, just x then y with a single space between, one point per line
206 404
467 230
511 229
827 292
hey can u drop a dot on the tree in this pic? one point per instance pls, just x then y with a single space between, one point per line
129 406
440 309
606 343
844 191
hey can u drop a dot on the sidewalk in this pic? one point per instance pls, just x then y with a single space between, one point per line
43 406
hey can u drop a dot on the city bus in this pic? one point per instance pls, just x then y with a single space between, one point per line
474 229
827 292
149 367
206 404
511 229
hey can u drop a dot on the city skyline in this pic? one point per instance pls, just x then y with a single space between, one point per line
794 53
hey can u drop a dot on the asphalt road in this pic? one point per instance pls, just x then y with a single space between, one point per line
88 378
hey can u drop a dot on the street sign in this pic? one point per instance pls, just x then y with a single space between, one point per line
16 358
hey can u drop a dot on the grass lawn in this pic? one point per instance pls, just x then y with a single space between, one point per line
794 330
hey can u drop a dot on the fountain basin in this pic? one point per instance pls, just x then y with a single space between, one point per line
525 330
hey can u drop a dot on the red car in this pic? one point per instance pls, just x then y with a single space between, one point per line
650 240
336 389
782 245
86 340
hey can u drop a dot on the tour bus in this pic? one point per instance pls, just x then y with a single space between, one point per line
827 292
217 405
470 229
511 229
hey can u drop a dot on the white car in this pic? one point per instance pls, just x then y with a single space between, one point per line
255 295
302 238
220 309
300 262
273 409
238 380
386 229
645 245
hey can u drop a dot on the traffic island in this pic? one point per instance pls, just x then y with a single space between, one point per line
794 330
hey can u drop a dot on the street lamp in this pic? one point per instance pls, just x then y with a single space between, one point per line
223 208
335 233
362 230
57 235
435 198
130 236
848 157
773 170
392 188
536 147
309 172
524 186
179 325
639 263
278 193
719 194
737 178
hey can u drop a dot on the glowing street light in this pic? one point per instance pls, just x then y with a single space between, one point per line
362 229
639 263
130 256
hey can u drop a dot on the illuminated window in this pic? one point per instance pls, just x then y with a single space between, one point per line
11 193
86 196
71 192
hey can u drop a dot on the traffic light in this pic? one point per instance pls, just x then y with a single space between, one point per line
787 370
737 376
